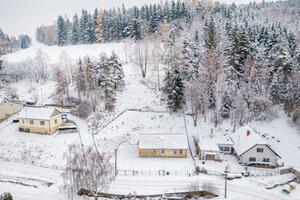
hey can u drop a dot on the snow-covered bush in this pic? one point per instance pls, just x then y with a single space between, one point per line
83 110
262 109
6 196
209 187
296 116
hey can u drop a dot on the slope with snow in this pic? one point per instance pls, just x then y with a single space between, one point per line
150 116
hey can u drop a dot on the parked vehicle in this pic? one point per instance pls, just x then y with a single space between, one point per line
231 176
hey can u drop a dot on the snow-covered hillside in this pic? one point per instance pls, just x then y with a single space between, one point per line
47 151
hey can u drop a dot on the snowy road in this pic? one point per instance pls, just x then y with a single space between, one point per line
85 136
156 185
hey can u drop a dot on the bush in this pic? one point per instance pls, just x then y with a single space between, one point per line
6 196
83 110
210 188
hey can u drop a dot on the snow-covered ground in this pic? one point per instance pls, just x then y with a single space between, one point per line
46 152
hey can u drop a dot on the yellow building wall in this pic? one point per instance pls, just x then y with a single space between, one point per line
172 153
49 127
7 109
54 125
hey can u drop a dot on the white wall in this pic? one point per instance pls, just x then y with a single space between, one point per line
267 153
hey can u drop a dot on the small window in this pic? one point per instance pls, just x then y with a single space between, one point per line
31 122
42 123
260 150
221 148
154 151
180 151
227 149
55 121
266 160
252 159
162 151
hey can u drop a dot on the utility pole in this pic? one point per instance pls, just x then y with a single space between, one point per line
116 166
226 175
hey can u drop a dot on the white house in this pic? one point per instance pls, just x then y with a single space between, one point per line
8 108
225 144
251 149
209 149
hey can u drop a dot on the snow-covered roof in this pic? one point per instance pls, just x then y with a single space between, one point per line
2 99
163 141
245 138
222 140
208 144
44 113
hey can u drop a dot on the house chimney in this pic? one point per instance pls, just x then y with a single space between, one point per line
248 132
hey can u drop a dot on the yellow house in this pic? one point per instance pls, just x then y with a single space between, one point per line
163 145
8 108
40 120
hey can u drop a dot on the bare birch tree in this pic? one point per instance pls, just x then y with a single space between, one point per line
141 56
86 169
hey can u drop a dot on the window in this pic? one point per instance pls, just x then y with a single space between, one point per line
180 151
221 148
42 123
162 151
55 121
252 159
175 152
260 150
266 160
227 149
31 122
154 151
23 121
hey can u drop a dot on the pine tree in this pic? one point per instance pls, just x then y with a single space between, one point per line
89 33
61 31
210 34
124 22
280 74
83 27
135 29
292 44
116 72
25 41
68 27
239 50
107 82
80 80
175 95
99 26
226 106
75 35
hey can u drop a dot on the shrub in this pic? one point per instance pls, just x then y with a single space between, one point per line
6 196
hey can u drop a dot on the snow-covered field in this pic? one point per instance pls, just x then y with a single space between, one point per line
33 159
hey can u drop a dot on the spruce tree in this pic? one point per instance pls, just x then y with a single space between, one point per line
226 105
176 91
75 36
210 34
61 31
83 27
135 29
